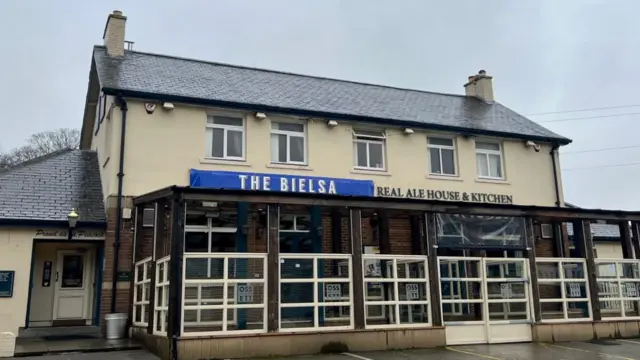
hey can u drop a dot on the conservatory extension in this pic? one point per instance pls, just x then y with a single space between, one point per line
215 270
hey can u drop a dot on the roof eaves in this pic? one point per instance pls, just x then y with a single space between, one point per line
335 116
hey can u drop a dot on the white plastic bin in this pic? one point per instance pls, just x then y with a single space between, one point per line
7 344
116 326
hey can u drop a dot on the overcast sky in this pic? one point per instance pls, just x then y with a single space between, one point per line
545 56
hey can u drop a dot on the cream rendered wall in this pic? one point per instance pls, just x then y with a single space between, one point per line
15 254
41 310
103 142
163 146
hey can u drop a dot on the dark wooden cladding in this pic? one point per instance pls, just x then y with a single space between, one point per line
434 283
584 245
336 231
355 221
625 240
175 267
273 268
533 274
635 231
414 224
558 239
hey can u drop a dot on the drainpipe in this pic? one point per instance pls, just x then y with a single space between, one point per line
554 149
116 245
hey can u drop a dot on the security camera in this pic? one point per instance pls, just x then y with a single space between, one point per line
533 145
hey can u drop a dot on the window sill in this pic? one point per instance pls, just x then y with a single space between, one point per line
443 177
289 167
369 172
224 162
493 181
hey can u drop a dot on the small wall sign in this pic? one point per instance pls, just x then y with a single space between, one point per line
413 291
46 274
245 294
444 195
6 283
124 276
333 291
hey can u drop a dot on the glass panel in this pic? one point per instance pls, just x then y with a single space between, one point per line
361 154
577 309
285 126
225 120
287 222
248 268
448 162
380 314
196 242
439 141
296 317
234 143
303 222
573 270
547 270
411 270
508 311
379 291
482 165
223 242
197 219
296 293
412 291
506 290
630 289
414 314
611 308
496 166
552 310
575 290
550 291
217 143
606 270
72 271
278 148
334 292
508 270
487 146
629 271
296 268
297 148
631 308
335 315
368 133
434 156
376 157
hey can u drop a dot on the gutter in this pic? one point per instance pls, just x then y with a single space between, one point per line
553 152
52 223
326 115
116 245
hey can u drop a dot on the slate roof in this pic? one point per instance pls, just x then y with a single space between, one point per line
599 230
48 187
185 80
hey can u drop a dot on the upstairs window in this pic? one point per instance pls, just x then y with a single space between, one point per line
441 155
288 143
368 148
225 137
489 160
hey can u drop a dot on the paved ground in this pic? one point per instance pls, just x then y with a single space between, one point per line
120 355
609 349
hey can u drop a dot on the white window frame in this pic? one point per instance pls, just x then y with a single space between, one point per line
289 135
618 300
440 148
161 309
316 281
369 139
226 129
486 153
546 231
143 283
395 281
562 281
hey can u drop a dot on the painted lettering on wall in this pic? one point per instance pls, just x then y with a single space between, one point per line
77 234
444 195
287 184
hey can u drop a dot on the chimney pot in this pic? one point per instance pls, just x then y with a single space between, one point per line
482 72
117 12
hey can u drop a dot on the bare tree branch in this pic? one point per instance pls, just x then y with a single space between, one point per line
40 144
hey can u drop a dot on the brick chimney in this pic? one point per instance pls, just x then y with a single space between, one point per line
114 33
480 86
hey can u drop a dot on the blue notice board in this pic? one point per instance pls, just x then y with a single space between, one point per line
6 283
280 183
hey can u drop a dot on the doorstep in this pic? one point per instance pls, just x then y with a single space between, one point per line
36 347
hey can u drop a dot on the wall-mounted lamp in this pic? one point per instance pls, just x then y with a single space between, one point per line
408 131
72 218
332 123
260 115
168 106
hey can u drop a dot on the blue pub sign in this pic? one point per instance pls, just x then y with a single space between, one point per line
231 180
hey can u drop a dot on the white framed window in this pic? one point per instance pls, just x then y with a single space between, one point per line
563 287
546 231
225 137
442 155
489 160
369 149
288 143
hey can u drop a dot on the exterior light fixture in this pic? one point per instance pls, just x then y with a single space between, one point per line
261 116
72 218
408 131
332 123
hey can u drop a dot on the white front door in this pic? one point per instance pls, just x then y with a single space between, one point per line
73 285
